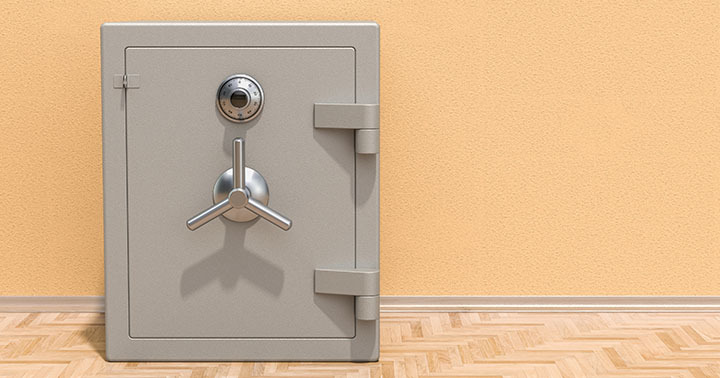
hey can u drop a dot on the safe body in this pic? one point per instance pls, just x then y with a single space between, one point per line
241 290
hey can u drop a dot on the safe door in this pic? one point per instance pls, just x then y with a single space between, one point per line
240 178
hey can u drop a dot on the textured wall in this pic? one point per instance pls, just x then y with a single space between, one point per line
553 148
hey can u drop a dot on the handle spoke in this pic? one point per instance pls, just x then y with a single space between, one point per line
269 214
239 163
206 216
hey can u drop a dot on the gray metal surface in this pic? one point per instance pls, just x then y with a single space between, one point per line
367 141
126 81
347 281
347 116
363 118
221 307
367 307
227 278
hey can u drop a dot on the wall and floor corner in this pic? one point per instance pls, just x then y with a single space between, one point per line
541 149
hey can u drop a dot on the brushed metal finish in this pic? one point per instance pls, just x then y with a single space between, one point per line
269 214
209 214
239 163
238 196
254 182
249 89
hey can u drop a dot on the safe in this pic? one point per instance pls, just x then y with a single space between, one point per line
240 169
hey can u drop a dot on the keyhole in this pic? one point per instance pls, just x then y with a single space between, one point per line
239 99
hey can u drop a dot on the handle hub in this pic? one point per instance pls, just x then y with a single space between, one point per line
238 197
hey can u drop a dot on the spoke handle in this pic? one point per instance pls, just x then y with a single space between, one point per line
238 181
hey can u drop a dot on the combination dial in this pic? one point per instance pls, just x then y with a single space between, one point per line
240 98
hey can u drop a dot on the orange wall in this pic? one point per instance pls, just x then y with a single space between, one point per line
545 149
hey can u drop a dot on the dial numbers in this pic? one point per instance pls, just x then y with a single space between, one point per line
240 98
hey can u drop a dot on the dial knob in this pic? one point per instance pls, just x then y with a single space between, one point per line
240 98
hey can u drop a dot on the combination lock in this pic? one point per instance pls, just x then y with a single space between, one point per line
240 98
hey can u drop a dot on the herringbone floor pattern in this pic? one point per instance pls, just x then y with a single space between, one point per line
417 344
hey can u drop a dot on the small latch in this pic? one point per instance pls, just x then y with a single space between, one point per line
363 118
121 81
363 284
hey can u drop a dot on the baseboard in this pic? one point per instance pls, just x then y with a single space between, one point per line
433 304
52 304
550 304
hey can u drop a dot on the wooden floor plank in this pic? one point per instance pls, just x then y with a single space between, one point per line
412 345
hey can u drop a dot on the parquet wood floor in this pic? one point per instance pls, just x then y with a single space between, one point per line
412 344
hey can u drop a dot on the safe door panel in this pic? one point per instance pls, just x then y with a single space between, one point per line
228 279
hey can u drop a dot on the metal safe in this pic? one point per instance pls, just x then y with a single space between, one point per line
240 168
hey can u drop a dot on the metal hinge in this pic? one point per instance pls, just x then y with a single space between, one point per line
363 118
363 284
125 81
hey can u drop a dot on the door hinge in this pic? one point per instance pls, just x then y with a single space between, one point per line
363 118
363 284
125 81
